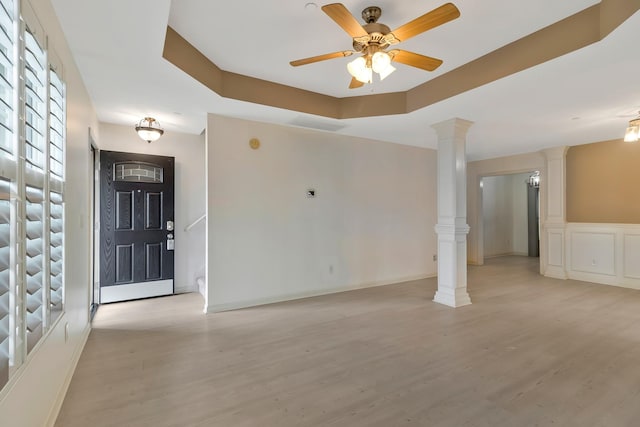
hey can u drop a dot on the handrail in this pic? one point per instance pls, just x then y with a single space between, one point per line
193 224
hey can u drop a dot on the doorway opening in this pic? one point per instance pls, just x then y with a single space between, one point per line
134 232
510 215
94 291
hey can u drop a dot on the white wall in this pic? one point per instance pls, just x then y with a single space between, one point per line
33 396
504 206
190 200
497 215
372 221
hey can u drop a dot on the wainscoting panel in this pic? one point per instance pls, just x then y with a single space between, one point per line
593 252
555 248
554 251
604 253
631 266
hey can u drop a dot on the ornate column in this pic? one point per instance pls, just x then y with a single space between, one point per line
452 228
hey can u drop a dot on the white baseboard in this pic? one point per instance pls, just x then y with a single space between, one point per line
55 409
507 254
216 308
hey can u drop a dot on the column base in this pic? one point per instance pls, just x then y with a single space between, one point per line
459 298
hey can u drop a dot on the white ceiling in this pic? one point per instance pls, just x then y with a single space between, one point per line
582 97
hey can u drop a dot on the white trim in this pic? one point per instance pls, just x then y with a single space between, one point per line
194 223
57 405
458 297
299 295
612 265
502 255
136 291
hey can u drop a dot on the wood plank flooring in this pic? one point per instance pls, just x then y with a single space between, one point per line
530 351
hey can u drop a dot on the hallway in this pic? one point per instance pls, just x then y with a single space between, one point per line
529 351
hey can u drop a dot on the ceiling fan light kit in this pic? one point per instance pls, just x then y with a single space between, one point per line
633 131
373 38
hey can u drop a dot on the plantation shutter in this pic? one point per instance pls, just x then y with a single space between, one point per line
5 281
35 106
7 54
34 145
56 125
34 265
7 123
56 253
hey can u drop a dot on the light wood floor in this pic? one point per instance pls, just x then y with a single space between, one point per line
529 351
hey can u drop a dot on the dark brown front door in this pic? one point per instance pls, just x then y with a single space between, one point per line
136 226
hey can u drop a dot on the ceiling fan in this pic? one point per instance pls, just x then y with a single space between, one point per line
373 38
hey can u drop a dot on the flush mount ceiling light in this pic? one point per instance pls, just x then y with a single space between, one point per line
373 38
149 129
633 131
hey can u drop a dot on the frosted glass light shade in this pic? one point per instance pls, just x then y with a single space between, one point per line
149 129
359 70
384 73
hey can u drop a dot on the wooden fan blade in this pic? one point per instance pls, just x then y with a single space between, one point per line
345 19
355 83
441 15
415 59
319 58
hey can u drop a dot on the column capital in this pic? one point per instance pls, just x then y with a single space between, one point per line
452 128
554 152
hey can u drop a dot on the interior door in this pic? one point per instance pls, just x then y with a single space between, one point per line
136 226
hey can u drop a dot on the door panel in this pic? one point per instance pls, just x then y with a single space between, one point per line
137 202
124 263
153 211
154 261
124 210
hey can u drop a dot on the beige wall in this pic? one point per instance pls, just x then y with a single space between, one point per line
603 183
372 221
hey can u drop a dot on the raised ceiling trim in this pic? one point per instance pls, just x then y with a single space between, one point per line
570 34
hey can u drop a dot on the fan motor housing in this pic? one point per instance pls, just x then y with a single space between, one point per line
376 33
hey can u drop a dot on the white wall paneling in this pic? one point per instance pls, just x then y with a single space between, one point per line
604 253
593 252
553 213
631 251
555 245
